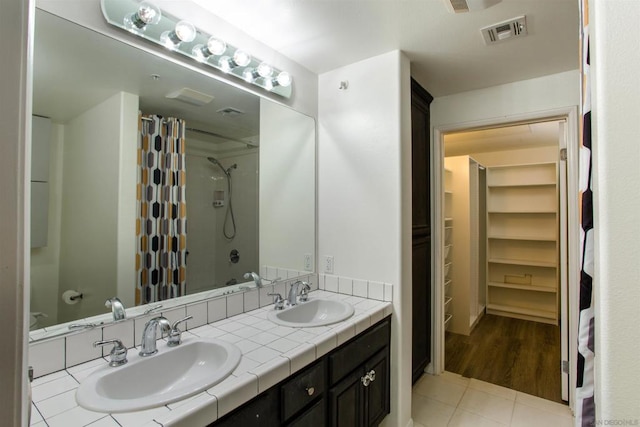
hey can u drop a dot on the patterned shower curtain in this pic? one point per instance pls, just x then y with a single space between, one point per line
585 404
162 222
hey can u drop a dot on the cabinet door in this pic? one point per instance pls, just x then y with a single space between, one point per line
346 404
260 412
377 392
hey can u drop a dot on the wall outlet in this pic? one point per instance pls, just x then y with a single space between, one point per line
308 265
328 264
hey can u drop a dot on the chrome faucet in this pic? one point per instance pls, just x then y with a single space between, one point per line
117 308
255 277
292 299
148 344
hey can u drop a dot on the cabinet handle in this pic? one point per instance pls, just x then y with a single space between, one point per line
366 380
310 391
372 375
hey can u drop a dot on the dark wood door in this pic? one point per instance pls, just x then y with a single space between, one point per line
421 202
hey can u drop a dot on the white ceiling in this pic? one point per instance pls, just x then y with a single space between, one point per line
447 51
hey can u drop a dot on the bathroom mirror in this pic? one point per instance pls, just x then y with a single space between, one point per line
262 154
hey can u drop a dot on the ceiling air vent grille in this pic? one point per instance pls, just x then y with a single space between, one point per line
461 6
516 27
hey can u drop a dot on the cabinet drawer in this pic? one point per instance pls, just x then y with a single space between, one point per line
313 417
352 354
302 389
262 411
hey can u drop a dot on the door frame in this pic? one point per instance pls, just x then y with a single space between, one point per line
569 296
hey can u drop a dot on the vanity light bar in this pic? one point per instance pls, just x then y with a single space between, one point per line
145 19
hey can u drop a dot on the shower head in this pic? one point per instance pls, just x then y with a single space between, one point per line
217 162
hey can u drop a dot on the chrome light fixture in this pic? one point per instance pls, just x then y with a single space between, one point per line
145 19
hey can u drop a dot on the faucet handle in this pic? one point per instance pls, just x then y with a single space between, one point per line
117 308
278 300
304 292
118 354
175 335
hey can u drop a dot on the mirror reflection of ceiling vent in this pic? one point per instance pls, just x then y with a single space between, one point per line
230 111
460 6
190 96
516 27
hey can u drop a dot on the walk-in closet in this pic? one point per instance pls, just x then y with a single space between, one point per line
501 256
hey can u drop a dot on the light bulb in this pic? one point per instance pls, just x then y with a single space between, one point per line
216 46
147 13
265 70
186 31
249 75
241 58
201 53
284 79
225 64
268 84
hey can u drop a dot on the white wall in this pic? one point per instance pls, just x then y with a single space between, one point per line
15 125
92 152
45 261
287 184
615 65
362 200
500 102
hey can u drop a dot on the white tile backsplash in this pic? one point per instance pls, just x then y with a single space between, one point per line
120 330
360 288
376 290
199 312
235 305
47 356
217 309
331 283
79 347
345 286
251 300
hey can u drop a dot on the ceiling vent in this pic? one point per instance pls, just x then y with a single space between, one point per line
191 96
461 6
516 27
230 111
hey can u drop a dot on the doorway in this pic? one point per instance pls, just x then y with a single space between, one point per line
504 292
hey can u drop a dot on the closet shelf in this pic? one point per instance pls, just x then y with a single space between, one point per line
525 311
532 184
549 264
522 287
529 211
530 238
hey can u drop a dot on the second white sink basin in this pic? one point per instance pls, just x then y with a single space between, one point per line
315 312
168 376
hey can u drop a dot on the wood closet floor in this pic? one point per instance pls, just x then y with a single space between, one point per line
518 354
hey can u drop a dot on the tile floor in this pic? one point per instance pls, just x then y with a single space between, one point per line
452 400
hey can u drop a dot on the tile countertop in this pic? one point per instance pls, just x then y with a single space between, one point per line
270 353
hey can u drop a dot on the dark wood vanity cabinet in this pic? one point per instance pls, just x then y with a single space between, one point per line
348 387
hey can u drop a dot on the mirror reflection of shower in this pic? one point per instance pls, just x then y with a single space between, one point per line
229 213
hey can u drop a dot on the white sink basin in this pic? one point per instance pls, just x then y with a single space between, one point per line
315 312
171 374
